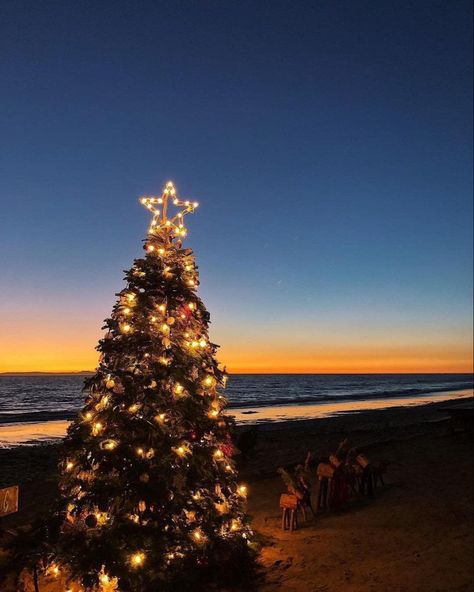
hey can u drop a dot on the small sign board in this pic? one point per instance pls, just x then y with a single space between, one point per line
8 500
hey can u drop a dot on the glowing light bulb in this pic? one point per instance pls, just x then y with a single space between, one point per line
191 306
208 381
96 428
165 328
234 525
137 559
178 389
110 445
134 408
160 418
162 308
191 282
153 319
161 251
218 454
195 204
203 343
150 248
88 415
126 311
140 451
242 490
131 296
181 451
69 466
126 328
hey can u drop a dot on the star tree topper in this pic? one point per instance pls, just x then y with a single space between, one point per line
160 221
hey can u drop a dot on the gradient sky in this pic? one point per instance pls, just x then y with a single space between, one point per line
329 144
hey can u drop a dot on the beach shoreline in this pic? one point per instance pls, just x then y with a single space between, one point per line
49 430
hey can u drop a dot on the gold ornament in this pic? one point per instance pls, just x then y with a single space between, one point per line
106 583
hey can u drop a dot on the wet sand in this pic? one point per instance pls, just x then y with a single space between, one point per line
34 432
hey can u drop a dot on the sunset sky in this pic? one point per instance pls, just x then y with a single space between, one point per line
330 149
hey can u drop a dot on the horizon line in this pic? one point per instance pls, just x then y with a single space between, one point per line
79 372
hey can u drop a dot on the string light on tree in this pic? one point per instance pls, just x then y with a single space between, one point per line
140 503
160 221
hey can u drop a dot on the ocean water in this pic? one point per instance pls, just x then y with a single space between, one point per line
40 398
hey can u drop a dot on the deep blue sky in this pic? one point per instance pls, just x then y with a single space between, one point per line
329 144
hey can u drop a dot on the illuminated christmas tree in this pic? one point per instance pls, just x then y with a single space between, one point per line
150 493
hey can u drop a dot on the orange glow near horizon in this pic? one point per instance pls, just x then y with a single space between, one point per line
57 352
61 339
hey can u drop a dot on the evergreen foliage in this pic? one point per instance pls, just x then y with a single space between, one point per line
150 498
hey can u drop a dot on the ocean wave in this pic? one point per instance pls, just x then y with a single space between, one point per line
329 398
18 416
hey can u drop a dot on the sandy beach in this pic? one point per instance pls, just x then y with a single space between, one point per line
415 534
